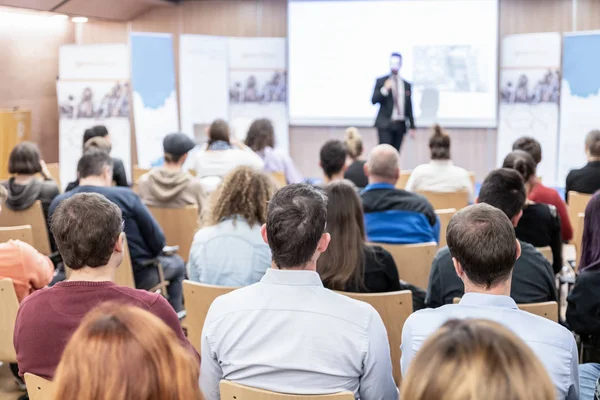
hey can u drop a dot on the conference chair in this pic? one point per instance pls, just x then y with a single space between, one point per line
473 179
235 391
577 204
179 226
137 173
279 178
403 179
547 253
39 388
546 309
54 169
22 233
198 297
33 216
394 308
9 305
441 200
578 238
413 261
445 216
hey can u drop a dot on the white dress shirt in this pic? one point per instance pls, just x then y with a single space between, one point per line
440 176
289 334
399 97
553 344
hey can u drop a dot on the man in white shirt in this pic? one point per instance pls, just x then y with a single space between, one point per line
288 333
484 249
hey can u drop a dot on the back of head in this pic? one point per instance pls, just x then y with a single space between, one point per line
482 239
95 131
522 162
86 228
504 189
121 352
342 265
333 157
383 163
218 131
353 142
476 359
531 146
590 249
24 159
98 143
439 144
261 134
93 163
592 143
245 192
296 220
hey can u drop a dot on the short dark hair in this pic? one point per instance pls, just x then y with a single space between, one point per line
531 146
93 162
592 141
482 239
219 130
396 54
24 159
522 162
86 227
296 220
503 188
261 134
333 157
94 131
439 144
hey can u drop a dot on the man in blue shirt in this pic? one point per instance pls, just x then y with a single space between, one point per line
144 236
484 249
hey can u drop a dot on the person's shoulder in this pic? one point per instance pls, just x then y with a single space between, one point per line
422 318
38 298
117 161
383 78
547 331
531 258
148 299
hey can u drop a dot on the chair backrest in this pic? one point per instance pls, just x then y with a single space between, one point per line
413 261
179 226
279 178
577 204
578 238
9 305
54 170
23 233
33 216
445 216
440 200
39 388
547 309
235 391
394 308
547 253
198 297
137 173
473 178
403 179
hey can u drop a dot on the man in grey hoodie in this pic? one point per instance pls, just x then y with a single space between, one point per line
169 186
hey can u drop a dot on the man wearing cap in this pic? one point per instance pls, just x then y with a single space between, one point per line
170 186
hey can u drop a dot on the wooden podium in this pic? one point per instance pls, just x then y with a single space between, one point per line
15 127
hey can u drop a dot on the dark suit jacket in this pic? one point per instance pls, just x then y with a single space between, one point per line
386 104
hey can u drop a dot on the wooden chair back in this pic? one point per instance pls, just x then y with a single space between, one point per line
54 170
23 233
441 201
578 238
235 391
403 179
547 253
137 173
33 216
413 261
546 309
473 179
39 388
393 308
9 305
577 204
198 297
179 226
445 216
279 178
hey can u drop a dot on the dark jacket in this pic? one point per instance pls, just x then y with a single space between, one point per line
119 176
532 280
144 236
583 310
584 180
356 174
386 104
381 274
397 216
21 197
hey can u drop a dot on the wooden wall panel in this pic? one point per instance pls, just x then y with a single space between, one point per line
588 15
100 32
532 16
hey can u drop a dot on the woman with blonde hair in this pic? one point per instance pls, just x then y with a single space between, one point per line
122 352
475 359
356 170
230 251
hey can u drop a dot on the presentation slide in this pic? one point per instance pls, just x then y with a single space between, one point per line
337 49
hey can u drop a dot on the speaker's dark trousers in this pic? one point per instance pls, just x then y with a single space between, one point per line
393 134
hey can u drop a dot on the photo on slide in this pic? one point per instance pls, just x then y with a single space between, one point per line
95 101
532 86
258 86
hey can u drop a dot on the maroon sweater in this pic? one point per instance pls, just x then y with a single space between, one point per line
47 319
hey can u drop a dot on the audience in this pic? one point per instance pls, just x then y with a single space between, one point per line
349 264
532 277
24 187
261 139
238 211
169 185
89 234
394 215
288 333
333 160
144 236
221 155
540 224
440 174
125 353
476 359
484 248
540 193
586 179
355 172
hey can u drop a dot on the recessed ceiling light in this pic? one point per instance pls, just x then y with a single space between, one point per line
79 20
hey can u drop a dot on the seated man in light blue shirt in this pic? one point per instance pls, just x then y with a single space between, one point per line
484 249
288 333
